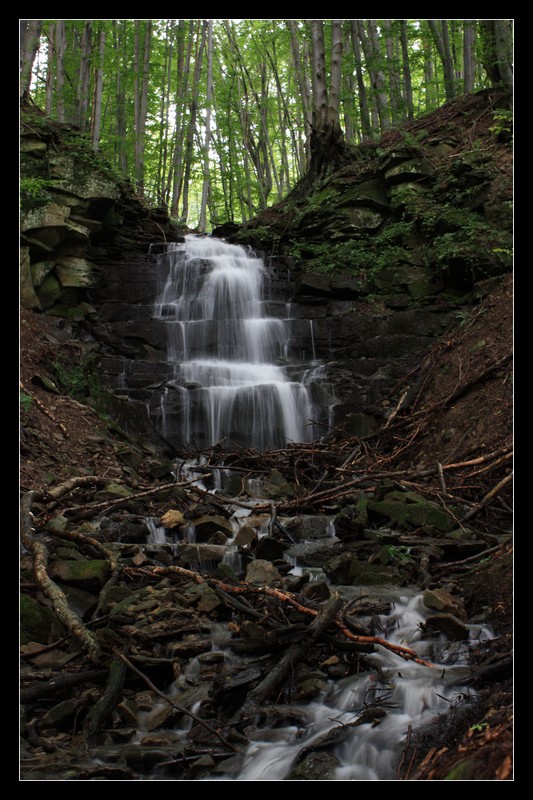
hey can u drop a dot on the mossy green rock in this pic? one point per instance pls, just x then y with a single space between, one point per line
410 510
49 291
408 171
36 621
347 570
88 575
463 771
28 298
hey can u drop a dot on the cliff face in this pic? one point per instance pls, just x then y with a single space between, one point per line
76 216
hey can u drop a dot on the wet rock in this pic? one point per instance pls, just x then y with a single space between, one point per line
443 601
262 572
410 510
348 570
218 538
209 600
315 766
313 554
162 713
62 716
270 549
310 527
36 621
316 590
172 518
202 767
140 757
196 554
80 601
129 711
309 682
112 491
276 487
448 624
88 575
245 537
352 520
205 527
28 298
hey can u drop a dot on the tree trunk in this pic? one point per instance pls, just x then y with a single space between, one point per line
60 69
468 54
366 128
142 64
334 94
98 86
30 31
182 81
193 110
304 91
395 91
318 73
429 68
121 156
50 72
206 187
370 43
84 79
442 43
502 30
408 86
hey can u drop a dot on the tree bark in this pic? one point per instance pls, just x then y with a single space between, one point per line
468 54
60 69
334 94
442 43
318 73
193 110
408 86
30 31
84 78
206 186
142 64
370 43
98 89
366 128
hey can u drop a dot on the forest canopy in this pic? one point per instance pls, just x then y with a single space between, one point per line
213 119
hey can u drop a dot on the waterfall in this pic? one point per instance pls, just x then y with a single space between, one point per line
231 378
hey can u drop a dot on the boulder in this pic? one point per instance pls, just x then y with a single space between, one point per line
410 510
315 766
245 537
448 624
173 518
28 298
443 601
204 527
89 575
197 554
73 271
49 291
270 549
262 572
408 171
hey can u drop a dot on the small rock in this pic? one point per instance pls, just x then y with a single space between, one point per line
129 711
270 549
61 716
245 536
448 624
316 590
442 601
173 518
263 572
87 575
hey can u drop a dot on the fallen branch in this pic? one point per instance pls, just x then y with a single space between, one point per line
94 508
292 655
102 710
488 497
41 688
67 486
40 569
45 411
179 708
287 597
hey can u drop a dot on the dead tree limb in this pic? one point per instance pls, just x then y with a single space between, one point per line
488 497
67 486
287 597
179 708
40 569
43 688
41 406
102 710
277 676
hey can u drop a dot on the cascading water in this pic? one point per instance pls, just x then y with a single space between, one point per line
232 376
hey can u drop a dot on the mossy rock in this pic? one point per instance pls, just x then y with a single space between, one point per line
465 770
37 622
49 291
89 575
410 510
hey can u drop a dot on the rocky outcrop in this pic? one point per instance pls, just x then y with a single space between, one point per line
76 214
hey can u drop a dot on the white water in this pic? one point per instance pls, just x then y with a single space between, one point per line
230 380
411 694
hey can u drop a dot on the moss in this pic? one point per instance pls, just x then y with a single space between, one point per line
36 621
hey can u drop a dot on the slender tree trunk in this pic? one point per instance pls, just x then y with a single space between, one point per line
366 128
84 79
304 90
121 157
318 73
468 54
429 69
408 86
193 110
370 43
503 32
50 72
142 64
182 82
334 94
442 43
206 187
394 76
98 87
30 31
60 70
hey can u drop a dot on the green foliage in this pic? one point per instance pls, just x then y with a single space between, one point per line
34 191
77 379
395 554
503 122
25 401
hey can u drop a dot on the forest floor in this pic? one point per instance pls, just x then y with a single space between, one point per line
455 411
